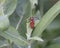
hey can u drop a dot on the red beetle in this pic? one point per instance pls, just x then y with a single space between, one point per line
32 22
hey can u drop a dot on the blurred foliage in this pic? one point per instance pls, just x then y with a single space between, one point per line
14 10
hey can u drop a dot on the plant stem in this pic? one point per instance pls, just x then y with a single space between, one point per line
29 45
21 17
28 40
19 23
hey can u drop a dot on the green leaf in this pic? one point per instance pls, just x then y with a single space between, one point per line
21 6
55 24
14 19
54 46
36 38
27 13
4 23
23 9
53 30
9 7
47 19
14 36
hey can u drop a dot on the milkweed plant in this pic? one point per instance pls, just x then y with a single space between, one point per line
29 24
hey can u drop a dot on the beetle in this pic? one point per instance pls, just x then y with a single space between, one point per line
32 22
